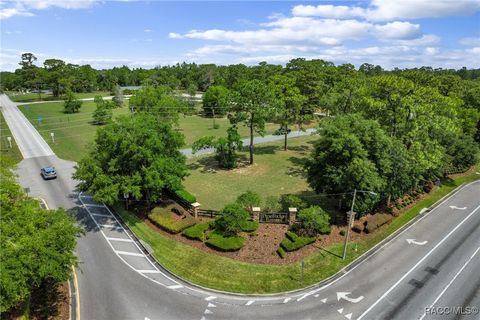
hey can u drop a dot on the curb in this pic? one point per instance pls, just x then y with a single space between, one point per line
319 285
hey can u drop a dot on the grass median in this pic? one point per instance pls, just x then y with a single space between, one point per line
225 274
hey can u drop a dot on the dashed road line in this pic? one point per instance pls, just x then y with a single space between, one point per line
211 305
176 286
119 239
249 302
348 316
109 226
210 298
102 215
130 253
148 271
208 311
287 299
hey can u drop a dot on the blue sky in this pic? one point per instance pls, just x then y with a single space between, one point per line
392 33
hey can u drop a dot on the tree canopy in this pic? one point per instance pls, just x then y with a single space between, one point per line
37 244
135 154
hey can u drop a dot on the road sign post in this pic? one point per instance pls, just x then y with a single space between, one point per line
126 195
9 139
53 137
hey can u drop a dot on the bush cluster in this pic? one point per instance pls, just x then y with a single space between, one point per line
196 232
162 217
249 226
294 242
220 242
185 195
281 252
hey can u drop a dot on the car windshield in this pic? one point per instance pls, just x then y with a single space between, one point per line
49 170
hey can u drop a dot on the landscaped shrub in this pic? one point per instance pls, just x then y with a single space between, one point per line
292 201
249 199
272 204
358 227
313 221
376 221
281 252
196 232
249 226
163 218
220 242
185 195
232 219
294 242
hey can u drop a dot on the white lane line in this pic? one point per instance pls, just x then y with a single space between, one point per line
208 311
249 302
148 271
119 239
130 254
136 245
450 283
211 305
102 215
286 300
110 226
210 298
304 296
177 286
94 205
417 264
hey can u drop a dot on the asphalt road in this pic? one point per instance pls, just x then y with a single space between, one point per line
402 279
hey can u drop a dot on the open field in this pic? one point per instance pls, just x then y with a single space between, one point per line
31 97
73 132
209 270
274 173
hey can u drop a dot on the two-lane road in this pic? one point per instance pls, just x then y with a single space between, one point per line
430 265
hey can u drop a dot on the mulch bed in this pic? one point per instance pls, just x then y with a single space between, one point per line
261 245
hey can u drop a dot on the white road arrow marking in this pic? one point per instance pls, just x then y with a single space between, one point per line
324 300
348 316
211 305
458 208
344 296
340 310
412 241
208 311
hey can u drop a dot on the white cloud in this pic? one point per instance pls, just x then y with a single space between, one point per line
425 40
24 7
147 30
392 9
306 30
470 41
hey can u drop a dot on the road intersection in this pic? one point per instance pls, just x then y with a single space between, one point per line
431 264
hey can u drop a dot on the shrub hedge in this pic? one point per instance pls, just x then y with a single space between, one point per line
249 226
222 243
196 232
281 252
185 195
376 221
162 217
294 242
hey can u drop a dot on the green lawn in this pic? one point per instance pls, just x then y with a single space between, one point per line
274 173
31 97
5 149
209 270
74 132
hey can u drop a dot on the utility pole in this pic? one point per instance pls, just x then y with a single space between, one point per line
349 223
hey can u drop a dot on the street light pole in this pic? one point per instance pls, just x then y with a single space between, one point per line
351 218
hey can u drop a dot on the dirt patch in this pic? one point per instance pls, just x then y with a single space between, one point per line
50 302
250 170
